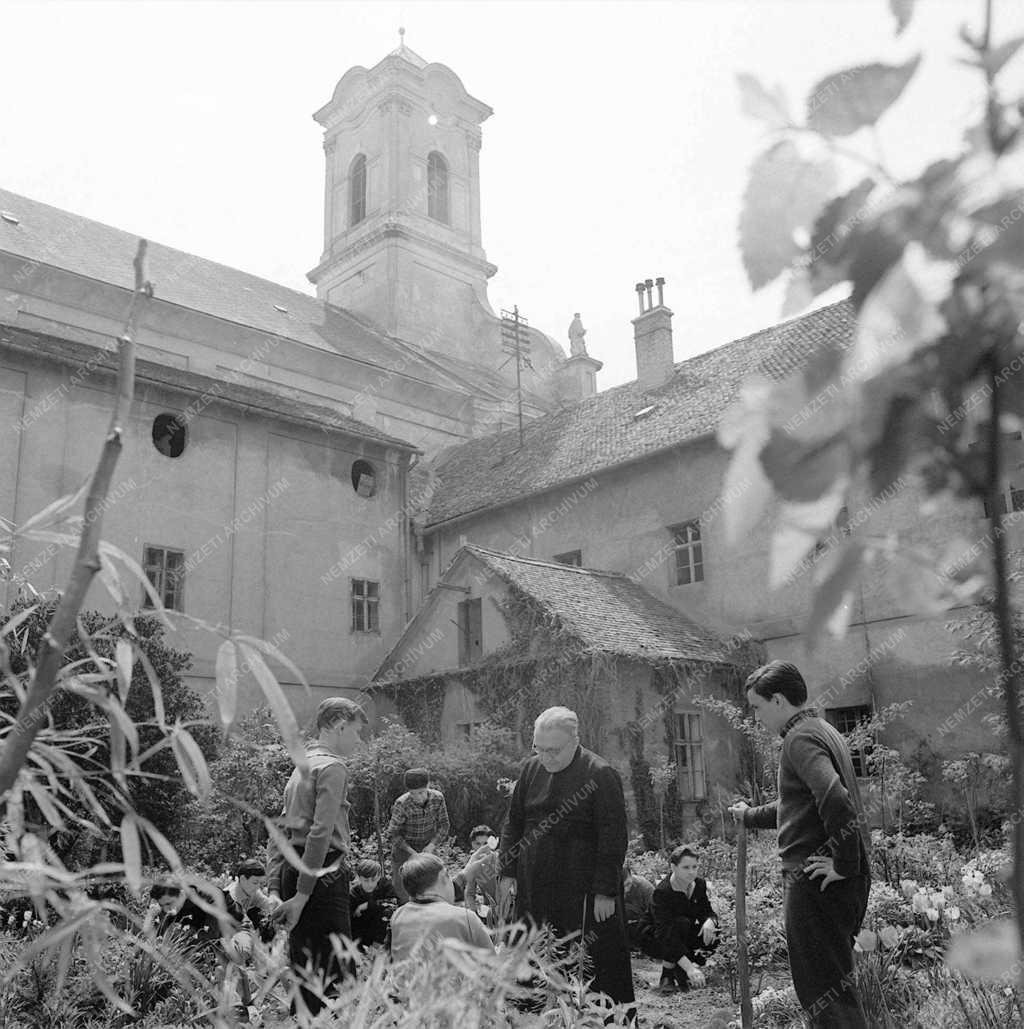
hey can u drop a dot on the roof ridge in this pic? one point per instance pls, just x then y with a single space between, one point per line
474 547
774 327
369 326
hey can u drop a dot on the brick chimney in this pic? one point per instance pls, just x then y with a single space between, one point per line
652 333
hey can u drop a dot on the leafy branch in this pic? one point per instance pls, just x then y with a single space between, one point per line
88 561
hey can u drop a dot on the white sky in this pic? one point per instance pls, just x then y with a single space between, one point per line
617 150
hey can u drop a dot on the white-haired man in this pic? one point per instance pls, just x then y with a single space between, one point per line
563 846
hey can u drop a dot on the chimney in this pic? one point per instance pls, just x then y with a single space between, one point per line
652 333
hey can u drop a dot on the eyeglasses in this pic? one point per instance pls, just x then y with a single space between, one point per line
550 751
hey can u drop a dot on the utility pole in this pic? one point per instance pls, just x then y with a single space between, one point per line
515 341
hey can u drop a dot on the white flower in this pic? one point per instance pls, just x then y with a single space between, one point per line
908 887
938 900
889 936
933 914
953 913
985 890
866 940
920 903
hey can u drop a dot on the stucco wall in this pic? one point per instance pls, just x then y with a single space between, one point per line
261 508
619 520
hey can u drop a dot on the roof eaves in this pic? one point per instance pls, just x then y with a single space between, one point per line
244 396
431 527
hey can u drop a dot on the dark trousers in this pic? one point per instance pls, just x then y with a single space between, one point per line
326 914
643 936
606 943
820 927
681 938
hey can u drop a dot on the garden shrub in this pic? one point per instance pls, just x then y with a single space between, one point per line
163 799
253 767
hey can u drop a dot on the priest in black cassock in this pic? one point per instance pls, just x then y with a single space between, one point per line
563 846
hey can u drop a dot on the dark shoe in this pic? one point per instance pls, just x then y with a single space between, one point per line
667 983
682 979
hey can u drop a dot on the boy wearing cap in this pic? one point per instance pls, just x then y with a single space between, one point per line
419 822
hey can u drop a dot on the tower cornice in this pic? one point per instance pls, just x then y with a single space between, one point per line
395 229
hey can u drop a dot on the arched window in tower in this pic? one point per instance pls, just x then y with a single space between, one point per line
357 191
437 187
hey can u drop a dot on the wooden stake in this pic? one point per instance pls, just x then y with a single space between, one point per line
742 964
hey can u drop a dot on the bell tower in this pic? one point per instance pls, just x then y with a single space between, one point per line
402 241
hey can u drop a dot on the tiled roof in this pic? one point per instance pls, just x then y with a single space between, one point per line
607 611
85 247
601 431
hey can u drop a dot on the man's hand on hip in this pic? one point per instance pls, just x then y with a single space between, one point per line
821 864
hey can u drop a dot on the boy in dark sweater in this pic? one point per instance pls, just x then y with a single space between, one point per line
823 834
685 923
372 902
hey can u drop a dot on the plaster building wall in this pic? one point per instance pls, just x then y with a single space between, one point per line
261 508
619 519
396 397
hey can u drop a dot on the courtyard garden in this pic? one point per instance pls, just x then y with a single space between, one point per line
928 891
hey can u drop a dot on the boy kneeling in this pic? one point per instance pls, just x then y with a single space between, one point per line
431 911
372 901
687 925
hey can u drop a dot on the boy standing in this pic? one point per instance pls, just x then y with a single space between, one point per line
316 907
823 834
419 822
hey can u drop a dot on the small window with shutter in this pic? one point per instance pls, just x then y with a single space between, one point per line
471 643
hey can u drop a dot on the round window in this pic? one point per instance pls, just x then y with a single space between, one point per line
170 436
364 478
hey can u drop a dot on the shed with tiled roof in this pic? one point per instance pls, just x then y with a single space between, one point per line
500 637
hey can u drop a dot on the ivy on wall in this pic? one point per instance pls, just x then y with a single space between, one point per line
420 704
545 664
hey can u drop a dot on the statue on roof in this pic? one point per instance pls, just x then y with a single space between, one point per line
577 346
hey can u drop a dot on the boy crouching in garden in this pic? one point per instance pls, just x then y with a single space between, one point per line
372 902
431 911
686 923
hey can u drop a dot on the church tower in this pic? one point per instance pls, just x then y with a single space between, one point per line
402 240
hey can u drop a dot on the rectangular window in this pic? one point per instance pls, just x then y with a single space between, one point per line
165 569
689 554
471 636
573 558
846 719
1010 499
689 748
465 730
365 606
